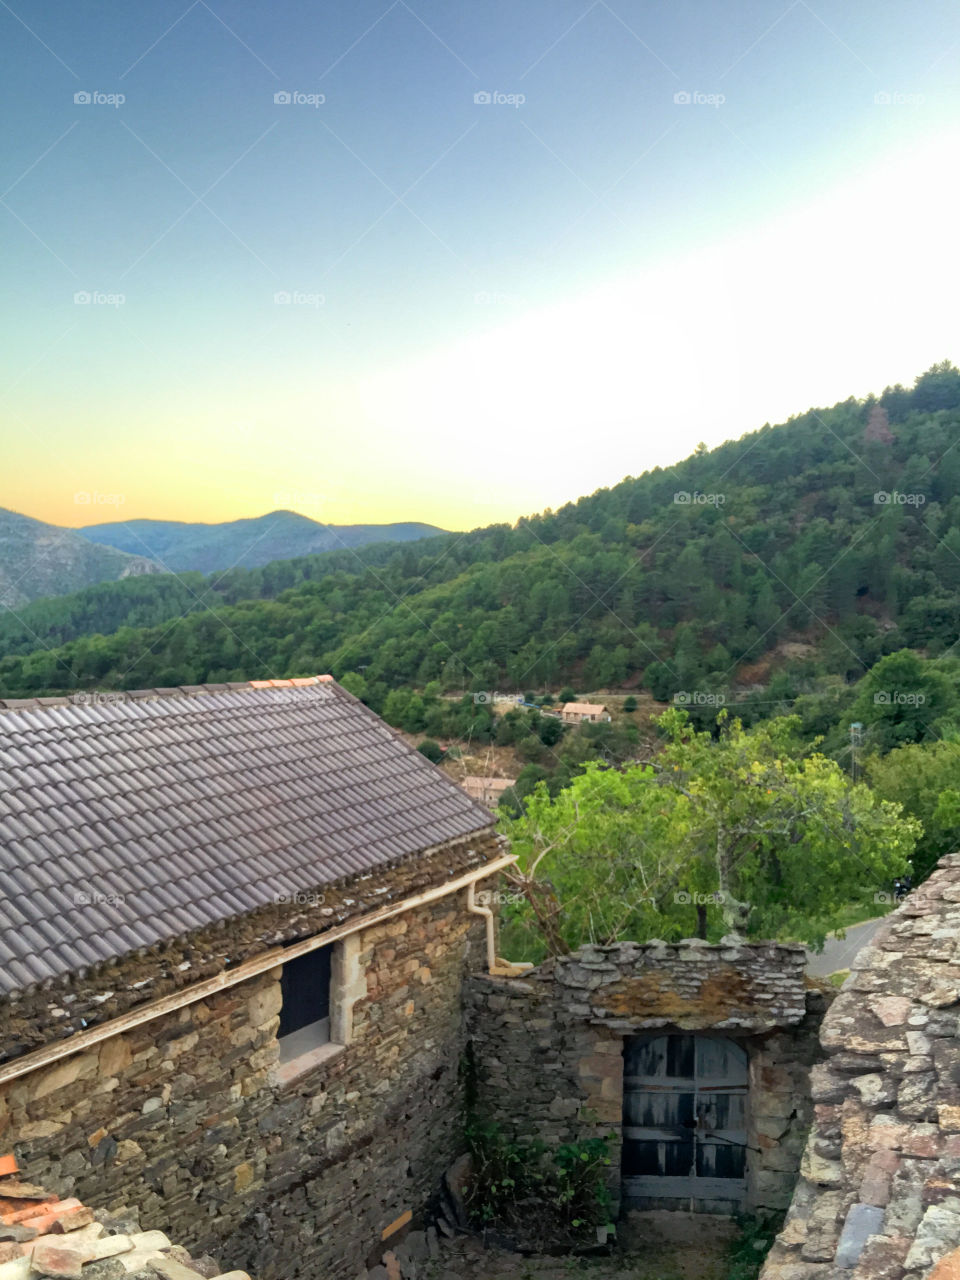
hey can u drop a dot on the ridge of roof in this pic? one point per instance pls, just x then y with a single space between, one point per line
91 697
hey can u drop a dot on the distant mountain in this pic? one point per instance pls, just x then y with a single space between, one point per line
38 560
803 551
280 535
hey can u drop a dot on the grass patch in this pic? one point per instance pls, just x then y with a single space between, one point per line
748 1251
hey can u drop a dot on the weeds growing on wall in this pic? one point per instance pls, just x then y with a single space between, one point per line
529 1190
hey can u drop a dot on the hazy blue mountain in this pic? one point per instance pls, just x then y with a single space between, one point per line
280 535
38 560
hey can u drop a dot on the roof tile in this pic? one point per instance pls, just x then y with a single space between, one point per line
126 824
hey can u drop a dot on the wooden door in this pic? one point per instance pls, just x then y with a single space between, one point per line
684 1123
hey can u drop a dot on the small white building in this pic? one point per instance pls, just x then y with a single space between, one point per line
575 713
578 712
487 790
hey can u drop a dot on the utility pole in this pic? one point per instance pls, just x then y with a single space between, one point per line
856 742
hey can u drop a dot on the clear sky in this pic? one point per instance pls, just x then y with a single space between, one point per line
671 222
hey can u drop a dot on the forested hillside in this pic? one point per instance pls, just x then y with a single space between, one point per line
38 559
838 530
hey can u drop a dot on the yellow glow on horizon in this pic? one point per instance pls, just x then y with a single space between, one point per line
854 290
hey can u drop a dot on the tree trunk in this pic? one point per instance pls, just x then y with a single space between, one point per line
735 913
546 908
702 921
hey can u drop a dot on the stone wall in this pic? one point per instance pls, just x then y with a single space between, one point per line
42 1235
548 1048
183 1119
879 1198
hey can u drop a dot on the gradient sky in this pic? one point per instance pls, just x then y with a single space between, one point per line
497 307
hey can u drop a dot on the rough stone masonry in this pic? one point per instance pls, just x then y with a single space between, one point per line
879 1195
184 1120
548 1048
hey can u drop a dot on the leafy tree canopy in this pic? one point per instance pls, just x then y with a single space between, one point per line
748 832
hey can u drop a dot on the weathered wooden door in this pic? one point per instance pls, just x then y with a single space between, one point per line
684 1123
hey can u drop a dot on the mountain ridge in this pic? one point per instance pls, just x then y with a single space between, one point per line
39 559
839 528
249 542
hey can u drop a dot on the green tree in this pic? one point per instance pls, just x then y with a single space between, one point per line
925 780
747 832
903 698
354 683
432 750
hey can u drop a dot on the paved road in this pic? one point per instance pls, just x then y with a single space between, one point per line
839 953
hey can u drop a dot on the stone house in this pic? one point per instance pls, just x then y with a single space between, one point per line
583 712
235 923
487 790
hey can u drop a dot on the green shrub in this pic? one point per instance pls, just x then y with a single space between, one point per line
559 1193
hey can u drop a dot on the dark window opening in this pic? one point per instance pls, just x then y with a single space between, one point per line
305 1012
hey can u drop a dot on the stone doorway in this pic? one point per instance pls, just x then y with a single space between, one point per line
684 1123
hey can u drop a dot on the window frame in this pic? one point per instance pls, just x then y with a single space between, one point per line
348 984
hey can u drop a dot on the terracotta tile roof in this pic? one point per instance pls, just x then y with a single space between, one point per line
583 708
129 822
64 1238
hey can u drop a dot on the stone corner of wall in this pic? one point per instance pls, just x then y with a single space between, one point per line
878 1195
